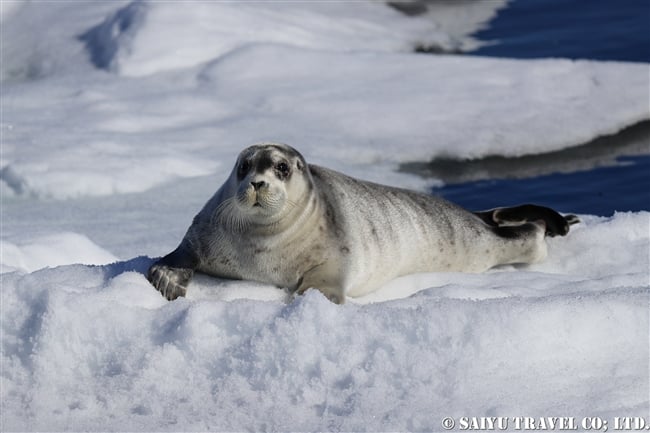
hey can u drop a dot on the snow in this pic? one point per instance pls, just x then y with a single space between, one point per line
345 109
130 41
54 250
119 120
527 342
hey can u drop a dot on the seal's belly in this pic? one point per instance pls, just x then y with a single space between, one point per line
253 267
283 265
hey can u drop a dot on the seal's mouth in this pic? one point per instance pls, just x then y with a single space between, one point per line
259 202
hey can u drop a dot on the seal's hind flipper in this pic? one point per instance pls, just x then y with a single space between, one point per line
556 224
572 219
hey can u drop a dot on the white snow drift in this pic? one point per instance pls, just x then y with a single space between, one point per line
96 348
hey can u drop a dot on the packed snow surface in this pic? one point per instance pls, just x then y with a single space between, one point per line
120 119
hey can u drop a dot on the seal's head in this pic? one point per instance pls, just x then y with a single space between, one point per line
270 180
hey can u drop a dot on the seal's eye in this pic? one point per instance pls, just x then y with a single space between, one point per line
244 166
282 169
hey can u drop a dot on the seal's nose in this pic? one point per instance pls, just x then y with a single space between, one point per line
258 185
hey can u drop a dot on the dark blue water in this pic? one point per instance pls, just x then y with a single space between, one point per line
600 191
576 29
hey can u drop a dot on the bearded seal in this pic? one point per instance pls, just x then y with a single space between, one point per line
282 221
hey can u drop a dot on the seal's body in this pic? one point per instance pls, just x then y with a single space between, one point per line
280 221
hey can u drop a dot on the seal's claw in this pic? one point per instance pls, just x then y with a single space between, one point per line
170 282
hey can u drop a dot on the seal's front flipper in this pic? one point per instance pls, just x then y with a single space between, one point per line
556 224
170 282
172 274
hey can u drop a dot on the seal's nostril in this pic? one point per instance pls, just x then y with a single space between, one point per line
258 185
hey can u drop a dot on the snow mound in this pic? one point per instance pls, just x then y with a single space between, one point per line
342 110
144 38
365 106
81 344
66 176
341 94
51 251
54 49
